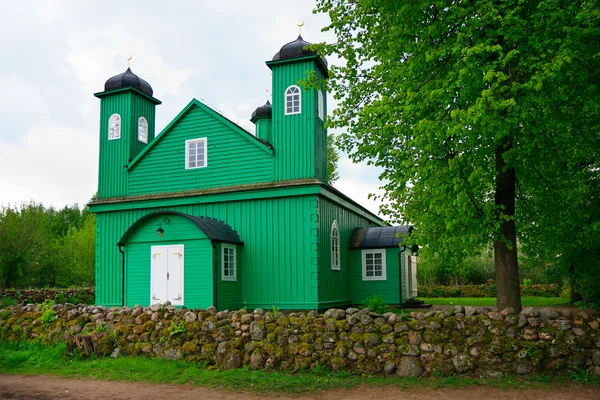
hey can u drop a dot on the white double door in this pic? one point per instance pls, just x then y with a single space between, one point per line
166 274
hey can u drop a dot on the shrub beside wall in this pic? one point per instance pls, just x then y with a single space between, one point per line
472 340
486 291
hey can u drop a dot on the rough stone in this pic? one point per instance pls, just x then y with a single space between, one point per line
409 367
389 368
257 331
463 363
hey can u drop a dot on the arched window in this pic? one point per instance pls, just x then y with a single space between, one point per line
320 108
292 100
143 130
114 127
335 247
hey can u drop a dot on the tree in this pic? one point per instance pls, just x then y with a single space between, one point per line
332 159
468 106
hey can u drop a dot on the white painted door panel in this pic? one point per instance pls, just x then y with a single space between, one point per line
166 274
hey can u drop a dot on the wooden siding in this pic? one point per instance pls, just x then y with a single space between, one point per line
335 285
116 154
229 293
299 140
388 288
231 158
198 260
278 259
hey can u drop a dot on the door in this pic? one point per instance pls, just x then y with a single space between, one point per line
410 276
166 274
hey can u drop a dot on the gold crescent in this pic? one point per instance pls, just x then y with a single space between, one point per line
130 57
301 24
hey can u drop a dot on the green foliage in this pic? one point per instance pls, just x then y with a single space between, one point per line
491 301
6 302
333 157
44 247
583 375
484 117
488 290
48 313
174 329
375 303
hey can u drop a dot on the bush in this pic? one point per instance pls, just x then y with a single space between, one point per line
375 303
487 290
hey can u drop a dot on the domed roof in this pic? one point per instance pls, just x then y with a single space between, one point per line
296 49
263 111
128 79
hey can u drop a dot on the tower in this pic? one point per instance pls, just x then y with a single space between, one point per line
299 137
127 117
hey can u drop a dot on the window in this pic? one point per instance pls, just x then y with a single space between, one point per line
292 100
228 272
320 108
114 127
195 153
335 247
373 265
143 130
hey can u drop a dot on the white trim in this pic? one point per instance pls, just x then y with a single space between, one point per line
320 105
293 95
142 135
373 252
335 246
232 278
114 127
187 152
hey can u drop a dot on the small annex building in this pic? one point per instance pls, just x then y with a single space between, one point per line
207 213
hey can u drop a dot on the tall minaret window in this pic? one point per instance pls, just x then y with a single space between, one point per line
335 246
292 100
320 105
143 130
114 127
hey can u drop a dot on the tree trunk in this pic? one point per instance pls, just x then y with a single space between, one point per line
508 291
575 297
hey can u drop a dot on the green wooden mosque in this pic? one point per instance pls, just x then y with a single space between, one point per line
207 213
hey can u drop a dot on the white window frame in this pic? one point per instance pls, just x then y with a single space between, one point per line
335 246
232 264
187 153
383 276
114 124
320 106
290 95
142 135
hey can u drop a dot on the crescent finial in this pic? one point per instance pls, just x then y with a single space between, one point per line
129 60
300 25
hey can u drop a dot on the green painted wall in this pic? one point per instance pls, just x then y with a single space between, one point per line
232 158
335 285
278 259
198 260
299 140
116 154
388 288
264 129
229 293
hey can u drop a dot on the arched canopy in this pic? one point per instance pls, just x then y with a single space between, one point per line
214 229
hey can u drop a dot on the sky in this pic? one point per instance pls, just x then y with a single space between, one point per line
57 54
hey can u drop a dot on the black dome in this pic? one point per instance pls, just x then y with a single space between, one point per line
128 79
263 111
296 49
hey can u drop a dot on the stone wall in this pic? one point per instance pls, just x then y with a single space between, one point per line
470 341
77 295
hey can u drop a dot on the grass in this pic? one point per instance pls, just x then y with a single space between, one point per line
32 358
491 301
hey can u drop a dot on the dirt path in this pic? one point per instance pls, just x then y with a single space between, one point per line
49 388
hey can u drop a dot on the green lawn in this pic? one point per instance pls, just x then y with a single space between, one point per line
491 301
35 359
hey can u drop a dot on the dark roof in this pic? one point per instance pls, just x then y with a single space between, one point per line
128 79
213 228
296 49
264 111
378 237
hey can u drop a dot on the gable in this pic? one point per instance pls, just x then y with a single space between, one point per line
234 156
